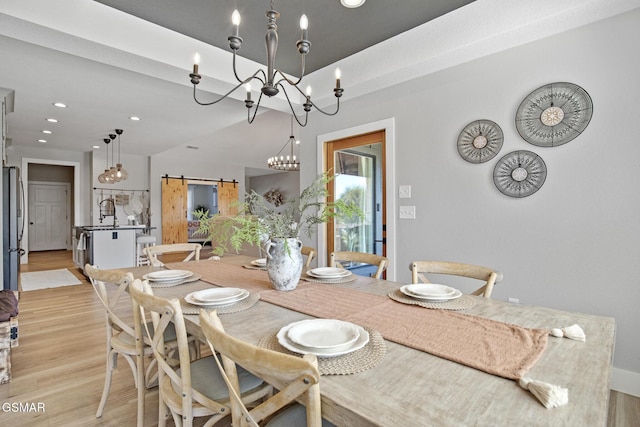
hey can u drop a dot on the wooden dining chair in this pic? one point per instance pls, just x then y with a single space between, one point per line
122 337
310 253
339 257
192 250
296 380
187 389
489 276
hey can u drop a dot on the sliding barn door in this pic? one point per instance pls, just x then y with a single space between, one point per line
227 196
174 211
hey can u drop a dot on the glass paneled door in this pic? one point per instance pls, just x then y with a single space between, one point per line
358 165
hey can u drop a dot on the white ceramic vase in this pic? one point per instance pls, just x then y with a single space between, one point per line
284 262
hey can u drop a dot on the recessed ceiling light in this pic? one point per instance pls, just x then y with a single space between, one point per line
48 132
60 105
96 146
44 141
52 120
352 3
134 118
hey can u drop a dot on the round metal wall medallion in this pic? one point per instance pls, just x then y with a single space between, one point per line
480 141
519 173
554 114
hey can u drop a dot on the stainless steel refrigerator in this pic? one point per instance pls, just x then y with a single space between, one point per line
12 226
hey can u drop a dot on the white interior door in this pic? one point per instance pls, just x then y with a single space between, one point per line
48 216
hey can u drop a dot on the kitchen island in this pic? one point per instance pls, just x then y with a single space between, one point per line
106 246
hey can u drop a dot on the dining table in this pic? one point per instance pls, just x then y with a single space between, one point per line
400 384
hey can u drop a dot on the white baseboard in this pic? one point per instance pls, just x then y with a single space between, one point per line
627 382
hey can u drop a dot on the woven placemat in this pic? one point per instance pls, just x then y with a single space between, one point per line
360 360
193 278
349 278
246 303
463 303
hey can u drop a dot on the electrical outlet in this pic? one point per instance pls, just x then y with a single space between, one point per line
407 212
404 192
513 300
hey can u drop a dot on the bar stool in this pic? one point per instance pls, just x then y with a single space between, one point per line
143 241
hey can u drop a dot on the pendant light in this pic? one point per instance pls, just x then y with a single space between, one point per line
121 173
104 178
112 171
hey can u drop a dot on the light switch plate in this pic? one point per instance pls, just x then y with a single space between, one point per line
407 212
404 192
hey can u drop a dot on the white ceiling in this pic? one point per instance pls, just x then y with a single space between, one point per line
107 65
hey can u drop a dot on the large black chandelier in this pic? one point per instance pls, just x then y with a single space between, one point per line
273 80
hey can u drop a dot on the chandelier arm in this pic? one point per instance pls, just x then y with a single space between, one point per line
286 95
285 78
306 118
235 72
254 76
324 112
249 118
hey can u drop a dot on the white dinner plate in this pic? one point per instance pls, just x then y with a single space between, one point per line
328 272
260 262
191 300
405 291
283 339
323 334
218 295
167 275
431 290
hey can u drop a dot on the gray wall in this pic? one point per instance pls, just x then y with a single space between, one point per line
288 183
573 245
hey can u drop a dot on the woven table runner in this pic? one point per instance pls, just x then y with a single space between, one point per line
497 348
230 275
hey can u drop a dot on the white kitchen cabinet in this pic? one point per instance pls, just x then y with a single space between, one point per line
114 248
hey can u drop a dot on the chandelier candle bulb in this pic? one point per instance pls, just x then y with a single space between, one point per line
235 20
338 75
304 25
196 62
248 88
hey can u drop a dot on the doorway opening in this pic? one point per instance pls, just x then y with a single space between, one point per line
46 170
358 166
388 186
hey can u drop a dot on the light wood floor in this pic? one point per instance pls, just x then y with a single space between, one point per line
60 361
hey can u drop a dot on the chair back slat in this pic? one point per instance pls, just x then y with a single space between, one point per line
420 269
295 378
152 252
99 279
379 261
